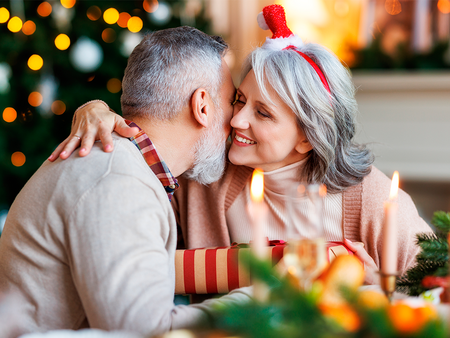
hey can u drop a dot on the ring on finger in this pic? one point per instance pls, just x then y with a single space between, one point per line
78 137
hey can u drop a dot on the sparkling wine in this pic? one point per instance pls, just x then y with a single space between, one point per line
306 259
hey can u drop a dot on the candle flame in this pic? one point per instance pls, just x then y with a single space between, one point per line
257 186
394 186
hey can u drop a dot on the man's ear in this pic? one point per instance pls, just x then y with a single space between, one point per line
201 107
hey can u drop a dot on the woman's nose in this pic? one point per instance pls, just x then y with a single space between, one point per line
240 118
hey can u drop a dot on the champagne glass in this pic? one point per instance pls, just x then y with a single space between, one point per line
306 251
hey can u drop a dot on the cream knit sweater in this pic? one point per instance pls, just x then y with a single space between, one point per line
90 242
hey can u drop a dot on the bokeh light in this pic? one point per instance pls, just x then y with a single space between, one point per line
68 3
62 42
15 24
150 5
94 13
341 7
18 159
444 6
123 19
9 114
4 15
135 24
109 35
111 15
393 7
29 27
114 85
35 62
35 99
58 107
44 9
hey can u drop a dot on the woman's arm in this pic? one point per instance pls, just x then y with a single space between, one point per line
92 121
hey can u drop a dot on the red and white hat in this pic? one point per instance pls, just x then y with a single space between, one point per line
273 17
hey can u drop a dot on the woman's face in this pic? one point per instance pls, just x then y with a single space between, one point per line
264 135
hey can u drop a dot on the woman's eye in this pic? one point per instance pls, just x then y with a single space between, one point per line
262 114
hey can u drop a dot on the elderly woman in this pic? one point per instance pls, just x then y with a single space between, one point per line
294 117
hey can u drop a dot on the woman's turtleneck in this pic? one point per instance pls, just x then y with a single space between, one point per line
277 184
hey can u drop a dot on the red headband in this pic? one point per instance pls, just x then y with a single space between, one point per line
313 64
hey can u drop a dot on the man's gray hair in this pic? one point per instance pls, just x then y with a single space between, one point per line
166 68
328 121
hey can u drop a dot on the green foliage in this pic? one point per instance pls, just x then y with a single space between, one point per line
373 57
290 313
432 259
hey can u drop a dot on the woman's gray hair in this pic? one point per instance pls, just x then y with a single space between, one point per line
328 121
166 68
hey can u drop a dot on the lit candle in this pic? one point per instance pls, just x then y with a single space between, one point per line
258 212
389 257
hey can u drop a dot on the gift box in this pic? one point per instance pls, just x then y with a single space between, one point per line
219 270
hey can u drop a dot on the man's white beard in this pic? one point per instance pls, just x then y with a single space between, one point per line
210 155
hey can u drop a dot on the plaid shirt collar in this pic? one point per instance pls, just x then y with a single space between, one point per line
156 164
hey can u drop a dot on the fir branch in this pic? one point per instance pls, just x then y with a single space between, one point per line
441 220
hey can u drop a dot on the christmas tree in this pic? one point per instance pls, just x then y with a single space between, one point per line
56 55
432 259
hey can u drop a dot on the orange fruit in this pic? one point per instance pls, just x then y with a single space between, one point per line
344 315
409 320
372 299
343 272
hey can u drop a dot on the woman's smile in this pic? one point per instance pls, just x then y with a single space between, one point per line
242 141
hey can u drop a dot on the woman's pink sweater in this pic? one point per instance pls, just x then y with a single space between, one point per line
200 211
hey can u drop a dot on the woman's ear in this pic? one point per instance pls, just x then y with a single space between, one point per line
303 146
201 107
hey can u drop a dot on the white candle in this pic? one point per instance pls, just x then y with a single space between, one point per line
258 213
390 249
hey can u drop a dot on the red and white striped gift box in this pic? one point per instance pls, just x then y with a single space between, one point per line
218 270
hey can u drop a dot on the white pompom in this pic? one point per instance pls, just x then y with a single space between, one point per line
262 22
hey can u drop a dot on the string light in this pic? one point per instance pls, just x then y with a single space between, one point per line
123 19
9 114
18 159
4 15
15 24
68 3
150 5
35 62
114 85
94 13
109 35
29 27
35 99
58 107
135 24
62 42
44 9
111 15
444 6
393 7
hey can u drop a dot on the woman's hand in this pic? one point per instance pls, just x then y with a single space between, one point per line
370 268
90 123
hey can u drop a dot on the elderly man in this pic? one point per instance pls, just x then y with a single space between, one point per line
90 241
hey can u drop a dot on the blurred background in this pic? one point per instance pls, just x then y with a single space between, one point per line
57 54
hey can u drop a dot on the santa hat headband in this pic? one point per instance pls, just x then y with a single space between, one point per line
273 17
